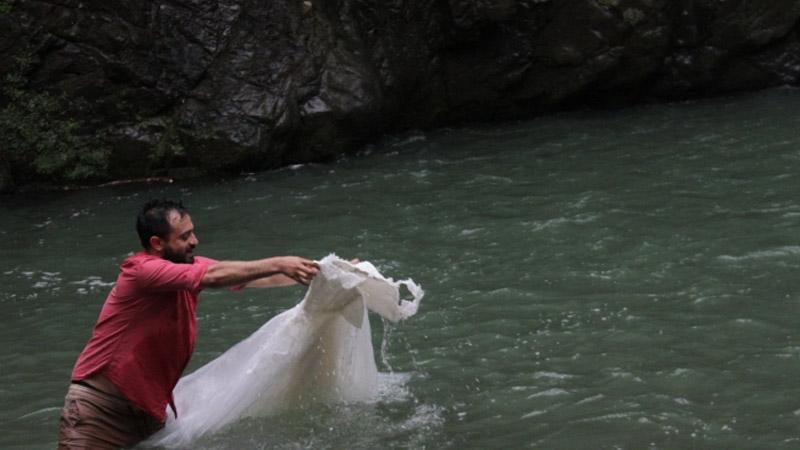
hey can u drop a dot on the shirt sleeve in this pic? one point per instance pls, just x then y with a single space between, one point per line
161 275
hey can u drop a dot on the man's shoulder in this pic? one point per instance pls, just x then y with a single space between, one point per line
206 261
138 258
142 257
146 270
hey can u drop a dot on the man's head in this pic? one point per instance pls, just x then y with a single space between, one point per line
165 229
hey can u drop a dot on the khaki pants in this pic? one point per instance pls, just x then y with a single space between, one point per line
95 420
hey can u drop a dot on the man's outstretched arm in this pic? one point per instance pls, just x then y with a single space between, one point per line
277 280
283 268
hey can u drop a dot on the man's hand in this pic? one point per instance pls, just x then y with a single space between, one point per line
299 269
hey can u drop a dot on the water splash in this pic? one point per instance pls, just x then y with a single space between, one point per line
320 351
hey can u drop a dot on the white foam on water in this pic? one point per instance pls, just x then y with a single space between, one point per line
392 387
412 424
579 219
39 412
591 399
535 413
554 392
94 281
552 375
780 252
320 351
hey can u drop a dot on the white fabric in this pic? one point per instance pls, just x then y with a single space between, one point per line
320 350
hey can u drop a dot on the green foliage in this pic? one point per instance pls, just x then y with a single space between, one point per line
169 148
38 141
5 7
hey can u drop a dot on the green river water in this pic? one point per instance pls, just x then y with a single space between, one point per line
597 280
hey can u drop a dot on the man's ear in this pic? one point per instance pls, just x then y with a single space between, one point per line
156 243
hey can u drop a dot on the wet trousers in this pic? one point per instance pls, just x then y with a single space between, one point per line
92 419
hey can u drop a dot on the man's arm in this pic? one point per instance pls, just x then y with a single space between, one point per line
283 268
277 280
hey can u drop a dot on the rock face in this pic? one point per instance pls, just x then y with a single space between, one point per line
233 85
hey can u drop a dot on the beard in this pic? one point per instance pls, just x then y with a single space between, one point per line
183 257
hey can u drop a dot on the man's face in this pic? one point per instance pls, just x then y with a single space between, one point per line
179 247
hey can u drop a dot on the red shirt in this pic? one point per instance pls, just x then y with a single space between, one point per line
146 331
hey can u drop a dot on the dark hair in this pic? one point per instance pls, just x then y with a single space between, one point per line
153 219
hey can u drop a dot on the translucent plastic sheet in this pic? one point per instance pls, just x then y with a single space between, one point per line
318 351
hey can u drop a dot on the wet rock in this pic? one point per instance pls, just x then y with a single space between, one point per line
246 85
6 180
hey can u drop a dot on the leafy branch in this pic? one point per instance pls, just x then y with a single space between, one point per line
38 140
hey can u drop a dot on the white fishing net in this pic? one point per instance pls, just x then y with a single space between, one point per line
318 351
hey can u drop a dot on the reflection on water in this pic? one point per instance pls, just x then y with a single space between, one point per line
616 279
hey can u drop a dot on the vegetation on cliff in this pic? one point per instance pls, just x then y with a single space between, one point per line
40 143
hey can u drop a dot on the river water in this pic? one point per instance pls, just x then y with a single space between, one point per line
623 279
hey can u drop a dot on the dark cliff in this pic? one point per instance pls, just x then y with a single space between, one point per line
226 86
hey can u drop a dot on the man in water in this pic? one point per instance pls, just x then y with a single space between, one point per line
144 337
